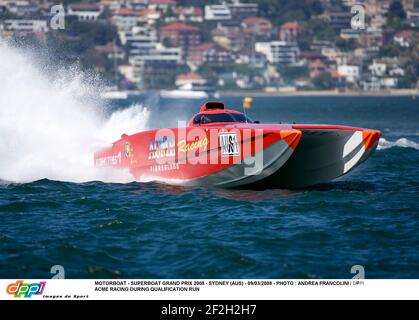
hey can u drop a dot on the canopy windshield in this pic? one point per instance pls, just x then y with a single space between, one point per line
220 117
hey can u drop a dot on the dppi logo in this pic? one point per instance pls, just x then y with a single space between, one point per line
27 290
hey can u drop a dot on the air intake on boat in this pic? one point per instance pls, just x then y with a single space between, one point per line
212 106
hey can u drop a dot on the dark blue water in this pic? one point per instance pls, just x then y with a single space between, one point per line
98 230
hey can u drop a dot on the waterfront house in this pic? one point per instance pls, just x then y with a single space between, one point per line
125 19
190 14
317 68
396 71
141 37
406 38
207 53
351 73
149 16
290 31
377 68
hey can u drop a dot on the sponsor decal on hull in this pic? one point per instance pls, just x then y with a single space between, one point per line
229 144
184 146
160 148
129 151
164 167
112 160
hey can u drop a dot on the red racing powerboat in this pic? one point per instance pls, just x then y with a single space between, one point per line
223 148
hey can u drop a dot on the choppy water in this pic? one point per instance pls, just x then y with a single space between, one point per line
107 230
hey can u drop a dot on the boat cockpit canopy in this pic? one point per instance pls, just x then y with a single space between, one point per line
206 118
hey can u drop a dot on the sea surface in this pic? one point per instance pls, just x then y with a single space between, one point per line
149 230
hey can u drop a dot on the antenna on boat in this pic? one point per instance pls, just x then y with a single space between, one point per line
247 104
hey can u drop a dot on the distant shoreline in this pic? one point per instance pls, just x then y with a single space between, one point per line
323 93
311 93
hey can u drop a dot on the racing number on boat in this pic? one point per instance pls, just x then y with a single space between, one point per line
229 144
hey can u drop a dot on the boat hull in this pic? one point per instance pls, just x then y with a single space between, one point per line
225 156
324 154
241 155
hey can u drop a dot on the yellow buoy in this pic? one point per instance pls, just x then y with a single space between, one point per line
247 102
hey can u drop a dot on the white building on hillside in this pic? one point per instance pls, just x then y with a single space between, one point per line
217 12
377 69
139 36
85 11
279 52
156 54
350 72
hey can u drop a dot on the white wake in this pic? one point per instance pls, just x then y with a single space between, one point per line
47 130
402 143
